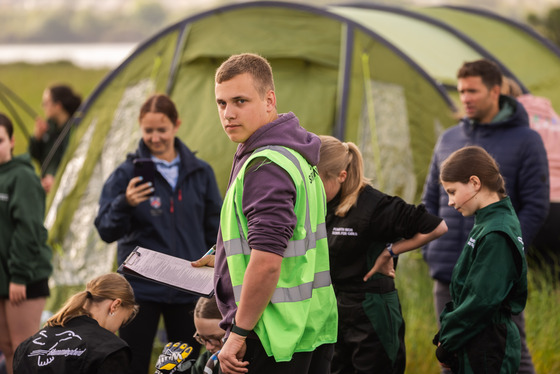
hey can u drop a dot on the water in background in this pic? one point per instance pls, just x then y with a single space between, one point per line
82 55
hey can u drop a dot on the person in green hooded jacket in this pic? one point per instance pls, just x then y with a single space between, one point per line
25 257
489 281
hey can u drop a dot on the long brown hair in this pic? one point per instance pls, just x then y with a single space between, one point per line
337 156
473 160
110 286
160 103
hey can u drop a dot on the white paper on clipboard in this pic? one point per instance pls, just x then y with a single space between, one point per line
169 270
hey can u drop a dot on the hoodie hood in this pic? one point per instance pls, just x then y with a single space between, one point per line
17 161
284 131
511 114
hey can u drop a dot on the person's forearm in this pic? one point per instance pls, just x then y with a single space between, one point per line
113 219
419 239
259 283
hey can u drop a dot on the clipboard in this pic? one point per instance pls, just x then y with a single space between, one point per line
169 270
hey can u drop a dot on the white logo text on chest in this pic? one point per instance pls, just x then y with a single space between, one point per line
344 231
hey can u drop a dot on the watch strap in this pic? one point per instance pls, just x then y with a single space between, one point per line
390 249
239 331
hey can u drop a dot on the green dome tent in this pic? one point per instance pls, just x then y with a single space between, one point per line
380 77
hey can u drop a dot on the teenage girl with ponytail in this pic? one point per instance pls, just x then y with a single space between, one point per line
489 281
81 338
367 230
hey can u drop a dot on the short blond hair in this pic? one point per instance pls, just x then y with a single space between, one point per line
257 66
510 87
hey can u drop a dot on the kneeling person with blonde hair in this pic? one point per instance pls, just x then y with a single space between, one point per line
81 338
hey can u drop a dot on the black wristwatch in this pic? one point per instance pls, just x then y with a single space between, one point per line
238 330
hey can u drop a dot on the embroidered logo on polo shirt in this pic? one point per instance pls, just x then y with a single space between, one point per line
521 241
344 231
471 242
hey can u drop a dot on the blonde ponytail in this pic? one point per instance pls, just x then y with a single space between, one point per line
110 286
337 156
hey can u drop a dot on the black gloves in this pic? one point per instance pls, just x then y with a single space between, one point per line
447 358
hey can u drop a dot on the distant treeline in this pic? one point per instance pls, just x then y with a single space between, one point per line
65 25
85 26
548 25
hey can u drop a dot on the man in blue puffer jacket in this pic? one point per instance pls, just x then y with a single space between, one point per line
500 125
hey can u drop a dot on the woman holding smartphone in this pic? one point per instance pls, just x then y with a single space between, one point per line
176 214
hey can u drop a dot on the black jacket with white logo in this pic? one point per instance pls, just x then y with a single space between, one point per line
82 346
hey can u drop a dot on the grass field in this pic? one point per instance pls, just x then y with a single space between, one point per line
541 314
415 291
415 287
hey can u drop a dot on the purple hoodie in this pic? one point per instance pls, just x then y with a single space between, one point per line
269 196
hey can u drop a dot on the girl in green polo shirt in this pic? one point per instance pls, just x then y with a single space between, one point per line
489 281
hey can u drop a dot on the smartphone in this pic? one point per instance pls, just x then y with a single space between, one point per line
145 168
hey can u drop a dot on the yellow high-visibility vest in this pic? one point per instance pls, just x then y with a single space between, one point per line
302 313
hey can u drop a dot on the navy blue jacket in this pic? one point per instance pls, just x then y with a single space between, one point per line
182 223
520 154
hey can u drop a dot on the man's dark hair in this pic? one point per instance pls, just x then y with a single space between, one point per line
5 122
487 70
64 95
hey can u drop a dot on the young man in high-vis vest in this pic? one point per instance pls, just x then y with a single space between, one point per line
272 279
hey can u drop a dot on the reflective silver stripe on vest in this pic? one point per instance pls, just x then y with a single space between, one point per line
295 247
294 294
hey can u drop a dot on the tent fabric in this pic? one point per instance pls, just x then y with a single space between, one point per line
377 77
437 52
533 60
